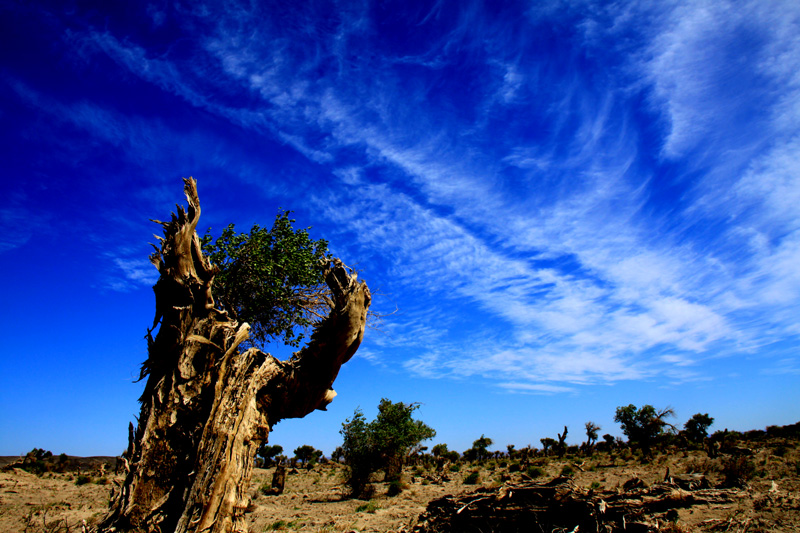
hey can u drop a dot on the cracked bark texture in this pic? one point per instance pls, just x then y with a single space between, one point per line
206 406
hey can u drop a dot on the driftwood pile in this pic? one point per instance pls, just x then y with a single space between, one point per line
560 506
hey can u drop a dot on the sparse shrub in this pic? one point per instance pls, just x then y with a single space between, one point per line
534 472
455 468
567 471
369 507
595 485
82 479
101 481
780 451
514 467
472 478
280 525
276 526
737 471
395 487
700 465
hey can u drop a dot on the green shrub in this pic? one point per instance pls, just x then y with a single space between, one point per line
82 479
534 472
395 488
369 507
280 525
514 467
567 471
455 468
471 479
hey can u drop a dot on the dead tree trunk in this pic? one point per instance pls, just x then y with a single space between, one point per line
206 407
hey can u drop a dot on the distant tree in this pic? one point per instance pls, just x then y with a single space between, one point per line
270 278
511 451
479 449
562 443
591 433
268 453
439 450
307 454
547 443
452 456
643 426
337 454
696 428
382 444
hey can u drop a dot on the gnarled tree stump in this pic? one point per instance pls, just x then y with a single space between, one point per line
206 407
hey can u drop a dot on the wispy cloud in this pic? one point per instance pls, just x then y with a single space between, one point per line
529 195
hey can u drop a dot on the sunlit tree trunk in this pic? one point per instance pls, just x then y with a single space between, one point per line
207 407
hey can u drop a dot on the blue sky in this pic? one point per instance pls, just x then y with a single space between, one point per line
571 205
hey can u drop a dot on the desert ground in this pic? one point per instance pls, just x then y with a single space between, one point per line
754 489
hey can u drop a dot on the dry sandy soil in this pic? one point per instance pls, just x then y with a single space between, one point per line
314 500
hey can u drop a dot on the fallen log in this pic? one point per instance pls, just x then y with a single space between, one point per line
560 505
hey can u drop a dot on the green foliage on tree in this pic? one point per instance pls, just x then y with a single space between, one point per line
547 443
440 450
269 452
479 450
696 428
481 445
643 426
308 455
382 444
270 278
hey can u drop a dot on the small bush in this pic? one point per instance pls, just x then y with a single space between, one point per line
737 471
595 485
276 526
567 471
369 507
534 472
514 467
82 479
455 468
280 525
471 479
101 481
395 488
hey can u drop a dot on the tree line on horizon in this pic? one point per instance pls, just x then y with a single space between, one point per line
394 439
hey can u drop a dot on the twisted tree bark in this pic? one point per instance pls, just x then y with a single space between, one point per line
206 407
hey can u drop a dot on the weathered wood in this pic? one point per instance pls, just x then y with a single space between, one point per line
206 407
560 505
279 479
